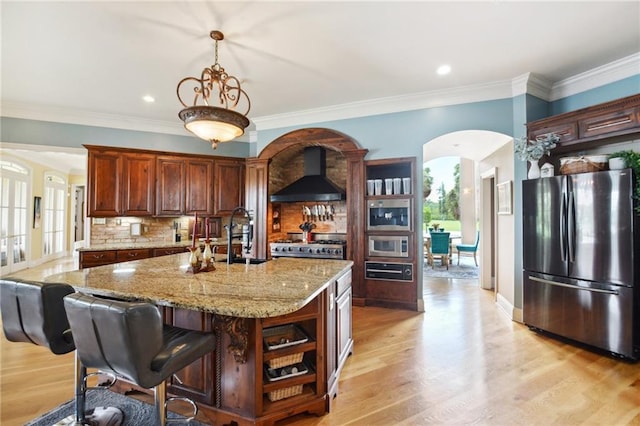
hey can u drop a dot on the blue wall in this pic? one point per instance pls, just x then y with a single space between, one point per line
34 132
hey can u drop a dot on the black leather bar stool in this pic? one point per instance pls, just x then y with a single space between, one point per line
130 340
33 312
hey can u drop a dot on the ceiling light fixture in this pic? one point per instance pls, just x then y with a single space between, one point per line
443 69
219 123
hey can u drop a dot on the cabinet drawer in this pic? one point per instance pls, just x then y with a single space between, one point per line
89 259
567 132
607 123
167 251
344 283
133 254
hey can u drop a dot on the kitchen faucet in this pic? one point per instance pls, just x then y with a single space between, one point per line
246 234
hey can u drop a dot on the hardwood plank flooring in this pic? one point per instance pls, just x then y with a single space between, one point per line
462 361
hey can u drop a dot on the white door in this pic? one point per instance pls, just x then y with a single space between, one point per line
14 217
54 214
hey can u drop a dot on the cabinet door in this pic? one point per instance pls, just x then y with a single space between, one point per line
229 185
170 196
199 186
343 327
331 344
103 184
195 381
138 181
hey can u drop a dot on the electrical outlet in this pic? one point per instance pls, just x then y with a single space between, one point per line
146 229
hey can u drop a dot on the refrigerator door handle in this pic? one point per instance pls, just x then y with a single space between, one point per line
594 290
571 223
563 228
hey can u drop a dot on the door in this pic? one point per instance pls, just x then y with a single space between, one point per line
54 217
14 217
601 227
544 210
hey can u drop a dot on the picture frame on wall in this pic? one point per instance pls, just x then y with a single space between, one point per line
505 196
37 214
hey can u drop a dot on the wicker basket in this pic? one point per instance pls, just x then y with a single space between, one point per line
584 164
279 394
283 361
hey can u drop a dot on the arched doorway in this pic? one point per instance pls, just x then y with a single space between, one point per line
487 151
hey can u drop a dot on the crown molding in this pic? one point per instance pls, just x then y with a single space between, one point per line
90 118
532 84
436 98
600 76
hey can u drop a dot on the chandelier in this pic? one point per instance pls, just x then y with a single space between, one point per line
212 115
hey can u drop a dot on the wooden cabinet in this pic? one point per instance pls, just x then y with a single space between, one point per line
133 254
171 183
344 337
228 185
586 128
138 181
120 184
125 182
199 186
168 250
104 177
401 293
339 336
89 259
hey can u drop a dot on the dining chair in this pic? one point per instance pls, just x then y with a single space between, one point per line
440 247
469 249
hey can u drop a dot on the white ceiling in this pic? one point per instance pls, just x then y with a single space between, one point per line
80 60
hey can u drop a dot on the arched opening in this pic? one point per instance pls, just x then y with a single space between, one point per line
486 160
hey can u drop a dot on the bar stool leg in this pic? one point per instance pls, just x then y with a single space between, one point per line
81 373
160 397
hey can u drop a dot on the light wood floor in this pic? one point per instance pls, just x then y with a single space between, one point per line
461 362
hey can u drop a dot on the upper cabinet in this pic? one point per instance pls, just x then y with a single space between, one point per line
171 184
104 178
120 184
138 179
229 185
125 182
585 128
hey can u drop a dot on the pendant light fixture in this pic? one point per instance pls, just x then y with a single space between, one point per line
213 116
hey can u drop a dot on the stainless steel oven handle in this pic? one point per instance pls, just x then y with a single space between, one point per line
387 271
594 290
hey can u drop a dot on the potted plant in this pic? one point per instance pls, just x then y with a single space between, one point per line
532 151
631 160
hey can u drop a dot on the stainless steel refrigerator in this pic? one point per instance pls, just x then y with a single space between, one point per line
580 261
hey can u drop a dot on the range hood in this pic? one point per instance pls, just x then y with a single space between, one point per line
314 185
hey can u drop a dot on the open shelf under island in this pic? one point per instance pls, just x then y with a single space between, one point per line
238 302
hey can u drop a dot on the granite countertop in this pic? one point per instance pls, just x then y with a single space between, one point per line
131 246
277 287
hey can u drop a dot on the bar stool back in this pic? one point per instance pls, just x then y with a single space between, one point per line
33 312
130 340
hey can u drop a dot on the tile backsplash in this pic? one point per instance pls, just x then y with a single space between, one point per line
153 230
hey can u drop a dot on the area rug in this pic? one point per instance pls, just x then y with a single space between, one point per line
460 272
136 413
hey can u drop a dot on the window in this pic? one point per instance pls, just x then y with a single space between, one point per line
54 214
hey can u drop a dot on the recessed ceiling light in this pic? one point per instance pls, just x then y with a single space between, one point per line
443 70
148 98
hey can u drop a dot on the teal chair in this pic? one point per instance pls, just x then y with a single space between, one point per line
469 249
439 248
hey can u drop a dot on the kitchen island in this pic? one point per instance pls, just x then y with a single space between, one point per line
291 299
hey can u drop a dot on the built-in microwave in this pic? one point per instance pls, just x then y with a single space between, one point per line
389 215
388 246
